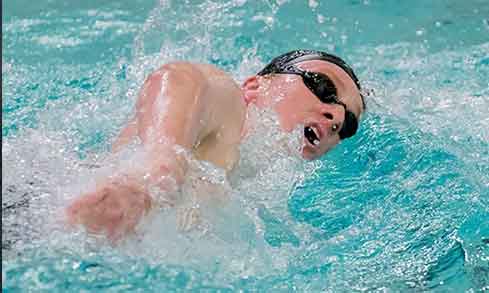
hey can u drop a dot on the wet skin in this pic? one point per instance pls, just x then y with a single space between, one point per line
199 108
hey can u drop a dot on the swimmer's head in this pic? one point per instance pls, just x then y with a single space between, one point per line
314 89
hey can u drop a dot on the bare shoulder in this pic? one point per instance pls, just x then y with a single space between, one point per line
183 69
222 107
200 71
212 71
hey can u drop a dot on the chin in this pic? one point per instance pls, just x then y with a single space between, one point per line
307 155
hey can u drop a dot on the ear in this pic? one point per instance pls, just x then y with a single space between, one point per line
251 83
250 88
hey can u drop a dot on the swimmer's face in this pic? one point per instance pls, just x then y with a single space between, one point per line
297 105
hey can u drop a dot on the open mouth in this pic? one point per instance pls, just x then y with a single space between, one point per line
312 135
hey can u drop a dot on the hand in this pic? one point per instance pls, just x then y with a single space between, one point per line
114 209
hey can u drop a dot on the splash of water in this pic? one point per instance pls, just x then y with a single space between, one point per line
400 207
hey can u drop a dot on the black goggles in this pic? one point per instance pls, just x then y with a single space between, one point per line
323 88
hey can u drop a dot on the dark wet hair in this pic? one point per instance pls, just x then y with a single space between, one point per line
281 62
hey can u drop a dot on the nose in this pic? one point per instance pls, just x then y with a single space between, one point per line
335 115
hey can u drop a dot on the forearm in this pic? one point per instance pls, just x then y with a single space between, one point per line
114 207
157 173
172 116
165 161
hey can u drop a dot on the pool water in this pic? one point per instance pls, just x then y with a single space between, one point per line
402 206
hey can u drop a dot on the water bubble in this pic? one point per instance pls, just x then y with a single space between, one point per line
313 4
320 18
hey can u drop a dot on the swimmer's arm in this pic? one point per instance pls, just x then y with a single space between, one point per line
173 112
127 134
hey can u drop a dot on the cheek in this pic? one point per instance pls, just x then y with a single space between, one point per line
308 154
280 91
287 116
297 105
330 144
291 112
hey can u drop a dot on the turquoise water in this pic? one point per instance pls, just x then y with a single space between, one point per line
403 206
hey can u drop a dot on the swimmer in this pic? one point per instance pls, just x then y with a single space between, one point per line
201 109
